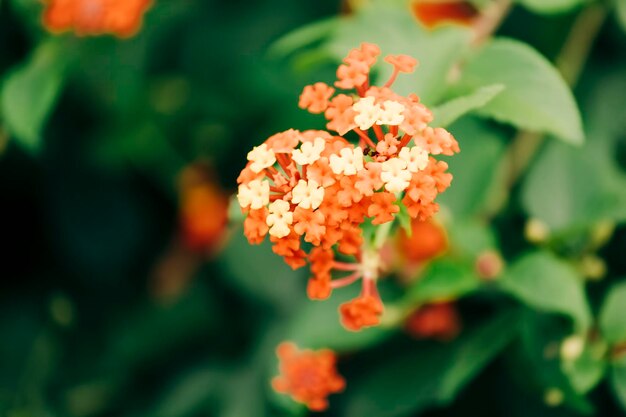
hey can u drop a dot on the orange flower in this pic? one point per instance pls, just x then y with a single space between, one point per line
434 321
382 208
340 114
308 376
437 141
402 63
311 223
203 210
254 226
369 180
352 75
367 53
319 288
427 241
363 311
434 12
95 17
315 97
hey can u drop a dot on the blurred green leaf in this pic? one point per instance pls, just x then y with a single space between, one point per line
569 188
317 325
470 238
301 37
404 219
261 274
586 182
390 25
551 6
139 337
30 92
618 382
443 279
539 364
585 372
620 10
612 319
542 281
535 97
189 393
429 374
482 151
448 112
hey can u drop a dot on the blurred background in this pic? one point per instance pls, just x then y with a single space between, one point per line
128 290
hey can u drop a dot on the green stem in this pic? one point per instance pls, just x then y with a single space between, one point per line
382 232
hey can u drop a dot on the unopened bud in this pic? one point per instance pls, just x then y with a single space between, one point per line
489 265
572 347
536 231
553 397
593 267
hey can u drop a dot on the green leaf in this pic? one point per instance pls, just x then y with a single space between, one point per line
618 382
537 361
551 6
30 92
390 25
587 182
536 97
545 283
612 318
302 37
620 10
261 274
588 188
587 370
448 112
482 152
317 325
470 238
443 280
404 219
427 374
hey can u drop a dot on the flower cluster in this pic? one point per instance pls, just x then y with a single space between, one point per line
308 376
95 17
320 188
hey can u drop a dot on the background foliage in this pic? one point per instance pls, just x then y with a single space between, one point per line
105 310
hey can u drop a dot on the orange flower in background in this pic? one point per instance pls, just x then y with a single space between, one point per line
438 321
122 18
203 210
432 13
308 376
317 188
427 241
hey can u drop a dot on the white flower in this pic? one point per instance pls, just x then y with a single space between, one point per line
367 113
416 158
308 195
261 158
349 163
309 152
395 175
391 114
279 218
255 194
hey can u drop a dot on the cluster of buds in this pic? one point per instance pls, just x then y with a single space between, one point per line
308 376
320 188
95 17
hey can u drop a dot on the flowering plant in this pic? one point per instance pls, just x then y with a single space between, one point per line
320 188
